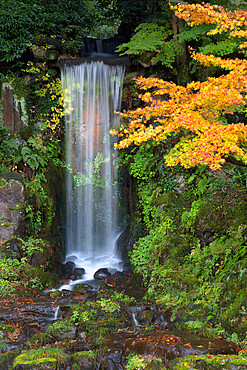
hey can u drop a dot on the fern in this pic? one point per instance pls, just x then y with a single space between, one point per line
152 37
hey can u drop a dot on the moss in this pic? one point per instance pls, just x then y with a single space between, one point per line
155 364
5 224
16 208
89 354
8 357
41 339
62 330
44 356
167 199
207 362
2 182
220 211
84 360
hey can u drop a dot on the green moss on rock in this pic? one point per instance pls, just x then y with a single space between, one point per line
207 362
84 360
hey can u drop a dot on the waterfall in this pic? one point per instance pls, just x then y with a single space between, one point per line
92 92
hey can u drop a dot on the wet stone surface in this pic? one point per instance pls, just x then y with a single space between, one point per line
95 329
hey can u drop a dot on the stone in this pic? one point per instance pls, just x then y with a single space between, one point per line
67 268
85 360
77 273
12 203
13 249
102 274
65 333
146 59
145 317
168 345
14 110
109 364
42 53
39 259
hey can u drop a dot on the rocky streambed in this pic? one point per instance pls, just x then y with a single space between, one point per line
102 324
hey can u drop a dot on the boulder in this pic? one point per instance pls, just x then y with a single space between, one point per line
85 360
102 274
67 268
77 273
42 53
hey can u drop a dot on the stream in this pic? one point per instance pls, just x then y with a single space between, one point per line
136 326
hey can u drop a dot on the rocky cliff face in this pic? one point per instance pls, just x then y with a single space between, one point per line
12 206
14 115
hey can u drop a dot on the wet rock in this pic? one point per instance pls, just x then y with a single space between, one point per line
125 282
155 364
39 259
77 273
126 267
56 294
145 317
169 345
83 288
102 274
63 333
109 364
44 54
72 258
207 362
112 361
13 249
67 268
41 339
162 318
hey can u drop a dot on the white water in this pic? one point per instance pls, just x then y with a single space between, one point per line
92 93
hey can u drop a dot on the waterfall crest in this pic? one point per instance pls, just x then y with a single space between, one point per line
92 92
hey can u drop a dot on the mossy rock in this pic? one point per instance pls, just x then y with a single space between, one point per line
85 360
63 331
208 362
6 359
155 364
220 211
41 339
42 358
169 199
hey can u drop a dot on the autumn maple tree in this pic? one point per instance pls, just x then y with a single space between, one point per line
196 114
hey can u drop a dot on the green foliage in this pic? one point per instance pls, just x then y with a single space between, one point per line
80 315
220 48
108 305
195 33
136 362
122 298
188 217
203 284
106 18
146 164
16 272
94 169
41 339
152 37
211 362
97 319
21 26
38 146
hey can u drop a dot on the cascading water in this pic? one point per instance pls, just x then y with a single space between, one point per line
92 92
